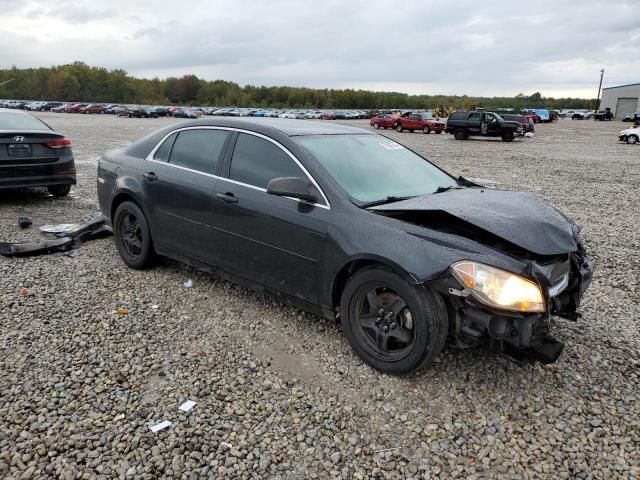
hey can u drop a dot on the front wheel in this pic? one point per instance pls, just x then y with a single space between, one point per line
399 127
426 130
132 235
376 126
59 190
394 326
632 139
507 136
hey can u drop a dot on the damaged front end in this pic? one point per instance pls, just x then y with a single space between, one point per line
521 335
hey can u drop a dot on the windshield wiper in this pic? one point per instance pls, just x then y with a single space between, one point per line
444 189
384 201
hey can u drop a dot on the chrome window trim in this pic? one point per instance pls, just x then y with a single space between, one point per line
241 130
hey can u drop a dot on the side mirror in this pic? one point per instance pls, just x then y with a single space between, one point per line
294 187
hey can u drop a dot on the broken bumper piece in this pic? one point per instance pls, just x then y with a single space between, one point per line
68 237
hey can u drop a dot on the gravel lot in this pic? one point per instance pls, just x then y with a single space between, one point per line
279 393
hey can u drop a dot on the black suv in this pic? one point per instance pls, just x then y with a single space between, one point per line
485 124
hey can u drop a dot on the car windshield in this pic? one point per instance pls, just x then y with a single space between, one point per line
427 115
372 168
20 121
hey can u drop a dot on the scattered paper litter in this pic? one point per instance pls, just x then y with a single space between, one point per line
186 406
188 283
160 426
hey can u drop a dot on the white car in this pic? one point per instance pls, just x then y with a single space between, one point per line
630 135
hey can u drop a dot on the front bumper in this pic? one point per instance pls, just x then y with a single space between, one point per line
523 336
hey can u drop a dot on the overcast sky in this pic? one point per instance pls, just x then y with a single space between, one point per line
493 47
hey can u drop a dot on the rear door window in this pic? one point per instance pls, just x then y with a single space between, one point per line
199 150
257 161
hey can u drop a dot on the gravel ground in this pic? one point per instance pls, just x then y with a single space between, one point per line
279 393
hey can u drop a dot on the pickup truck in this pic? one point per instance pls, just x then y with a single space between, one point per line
418 121
482 124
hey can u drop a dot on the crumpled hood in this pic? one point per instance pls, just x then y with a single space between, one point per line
517 217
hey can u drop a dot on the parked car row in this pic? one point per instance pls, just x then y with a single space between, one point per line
410 121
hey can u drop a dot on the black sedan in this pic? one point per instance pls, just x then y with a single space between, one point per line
347 223
32 154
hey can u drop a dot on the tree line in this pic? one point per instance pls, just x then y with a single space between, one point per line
78 82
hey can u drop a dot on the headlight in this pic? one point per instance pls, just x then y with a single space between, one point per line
498 288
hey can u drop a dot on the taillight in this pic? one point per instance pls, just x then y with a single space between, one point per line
61 143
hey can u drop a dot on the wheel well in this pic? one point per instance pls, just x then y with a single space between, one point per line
345 273
121 198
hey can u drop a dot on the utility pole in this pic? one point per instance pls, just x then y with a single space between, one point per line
599 88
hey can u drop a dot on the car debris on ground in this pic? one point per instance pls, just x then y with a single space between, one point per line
67 237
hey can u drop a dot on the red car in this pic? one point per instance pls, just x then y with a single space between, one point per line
327 116
384 121
532 115
93 108
419 121
74 108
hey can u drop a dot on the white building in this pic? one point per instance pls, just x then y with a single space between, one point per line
622 99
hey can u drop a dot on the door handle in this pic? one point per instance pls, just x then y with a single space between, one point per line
152 177
227 197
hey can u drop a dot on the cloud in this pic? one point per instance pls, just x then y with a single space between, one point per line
417 46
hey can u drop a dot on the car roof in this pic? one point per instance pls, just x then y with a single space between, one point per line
289 127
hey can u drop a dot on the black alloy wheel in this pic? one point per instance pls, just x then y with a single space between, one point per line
392 325
132 235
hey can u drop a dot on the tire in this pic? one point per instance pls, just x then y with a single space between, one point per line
376 126
507 136
59 190
632 139
426 130
399 127
460 134
42 109
132 236
414 335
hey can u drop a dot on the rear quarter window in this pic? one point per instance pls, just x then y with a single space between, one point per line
458 116
162 154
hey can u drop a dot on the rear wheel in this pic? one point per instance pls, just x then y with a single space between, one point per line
632 139
399 127
59 190
426 130
132 235
507 136
460 134
394 326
